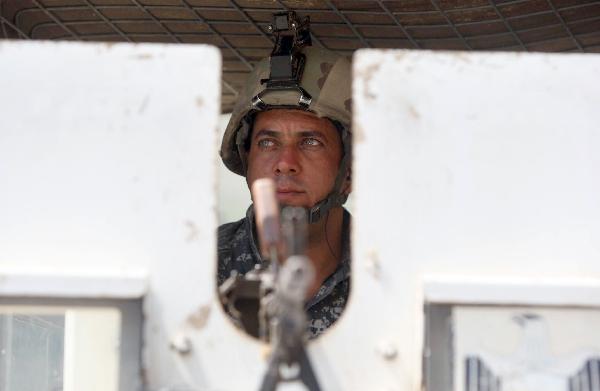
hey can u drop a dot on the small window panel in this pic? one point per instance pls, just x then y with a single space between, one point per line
512 348
59 348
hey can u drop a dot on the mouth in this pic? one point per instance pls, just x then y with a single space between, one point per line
288 190
286 194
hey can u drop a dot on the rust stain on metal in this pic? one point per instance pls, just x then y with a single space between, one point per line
399 55
366 76
413 112
358 134
265 352
144 56
461 56
198 318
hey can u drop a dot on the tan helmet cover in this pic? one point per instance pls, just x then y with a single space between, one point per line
326 78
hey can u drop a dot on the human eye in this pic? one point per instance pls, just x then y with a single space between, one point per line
311 142
266 143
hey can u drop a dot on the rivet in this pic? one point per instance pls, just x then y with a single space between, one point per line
181 344
387 350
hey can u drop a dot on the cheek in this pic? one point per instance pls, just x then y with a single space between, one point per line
258 167
326 172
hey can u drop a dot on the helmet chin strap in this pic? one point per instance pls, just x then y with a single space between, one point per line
322 207
335 198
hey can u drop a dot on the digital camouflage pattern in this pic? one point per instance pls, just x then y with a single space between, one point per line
238 250
326 78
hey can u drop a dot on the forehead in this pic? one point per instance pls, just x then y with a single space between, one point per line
289 120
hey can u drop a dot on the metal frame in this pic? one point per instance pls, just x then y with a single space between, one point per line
437 7
130 349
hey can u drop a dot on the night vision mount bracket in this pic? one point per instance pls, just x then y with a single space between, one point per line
286 60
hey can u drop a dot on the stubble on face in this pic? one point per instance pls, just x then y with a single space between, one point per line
299 151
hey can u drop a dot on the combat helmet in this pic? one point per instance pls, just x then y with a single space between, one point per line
296 76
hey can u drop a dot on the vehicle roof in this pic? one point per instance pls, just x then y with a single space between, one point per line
239 28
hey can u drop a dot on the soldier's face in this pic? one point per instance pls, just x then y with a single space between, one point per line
299 151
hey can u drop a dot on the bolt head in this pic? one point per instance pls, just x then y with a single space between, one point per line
181 344
387 350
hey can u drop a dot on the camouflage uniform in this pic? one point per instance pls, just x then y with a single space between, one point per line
237 249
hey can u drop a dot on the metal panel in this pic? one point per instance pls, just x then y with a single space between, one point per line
472 166
110 169
107 165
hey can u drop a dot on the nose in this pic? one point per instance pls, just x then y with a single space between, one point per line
287 161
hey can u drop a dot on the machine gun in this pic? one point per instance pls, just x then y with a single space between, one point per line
269 301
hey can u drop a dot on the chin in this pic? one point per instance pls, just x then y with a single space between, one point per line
298 203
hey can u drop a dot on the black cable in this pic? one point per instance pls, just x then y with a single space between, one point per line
327 237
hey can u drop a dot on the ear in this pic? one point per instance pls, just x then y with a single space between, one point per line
347 184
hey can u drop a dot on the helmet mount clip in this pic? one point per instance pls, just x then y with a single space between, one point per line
286 60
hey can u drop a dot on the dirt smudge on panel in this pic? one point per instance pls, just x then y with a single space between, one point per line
358 134
399 54
413 112
193 232
144 104
198 318
366 76
199 102
464 57
144 56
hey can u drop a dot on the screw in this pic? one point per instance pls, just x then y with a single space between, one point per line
270 28
294 25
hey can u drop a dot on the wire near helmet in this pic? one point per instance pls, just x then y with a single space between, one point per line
295 76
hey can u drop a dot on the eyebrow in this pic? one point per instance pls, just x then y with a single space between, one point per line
275 134
266 133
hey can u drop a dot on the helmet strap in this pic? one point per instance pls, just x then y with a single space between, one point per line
322 207
335 197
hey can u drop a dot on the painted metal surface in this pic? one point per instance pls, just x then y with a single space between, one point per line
31 284
107 168
468 166
474 167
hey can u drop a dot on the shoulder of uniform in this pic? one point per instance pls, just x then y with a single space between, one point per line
228 232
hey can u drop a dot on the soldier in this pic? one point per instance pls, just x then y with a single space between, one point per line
299 136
